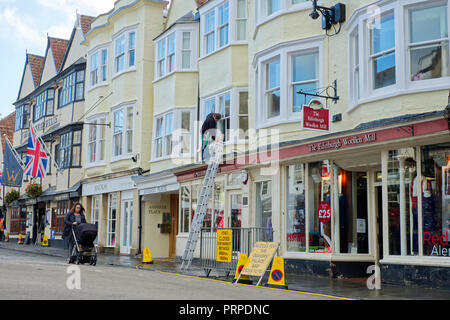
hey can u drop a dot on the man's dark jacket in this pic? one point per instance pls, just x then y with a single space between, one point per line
69 219
210 124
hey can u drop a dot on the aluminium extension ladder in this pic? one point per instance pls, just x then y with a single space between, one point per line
216 151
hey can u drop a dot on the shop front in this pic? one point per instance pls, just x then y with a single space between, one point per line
112 205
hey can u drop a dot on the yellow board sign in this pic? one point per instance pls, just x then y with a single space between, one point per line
45 242
260 258
276 277
224 245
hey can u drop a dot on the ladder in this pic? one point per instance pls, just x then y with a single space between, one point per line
215 150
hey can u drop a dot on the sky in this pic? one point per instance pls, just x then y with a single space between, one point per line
24 25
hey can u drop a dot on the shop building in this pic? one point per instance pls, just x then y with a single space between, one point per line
381 168
51 97
119 117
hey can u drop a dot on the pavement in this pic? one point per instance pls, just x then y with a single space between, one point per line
345 288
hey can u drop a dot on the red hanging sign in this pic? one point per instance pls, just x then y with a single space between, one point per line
316 118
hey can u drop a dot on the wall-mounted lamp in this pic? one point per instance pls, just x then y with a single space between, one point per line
330 16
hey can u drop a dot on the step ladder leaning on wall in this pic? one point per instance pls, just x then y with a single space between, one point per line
216 151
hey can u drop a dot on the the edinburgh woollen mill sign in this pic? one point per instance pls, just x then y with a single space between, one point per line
316 117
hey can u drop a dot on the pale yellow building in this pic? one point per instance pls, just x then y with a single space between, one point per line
370 190
119 119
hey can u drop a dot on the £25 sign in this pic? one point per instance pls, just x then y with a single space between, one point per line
324 212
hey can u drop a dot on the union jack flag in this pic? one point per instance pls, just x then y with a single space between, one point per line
36 164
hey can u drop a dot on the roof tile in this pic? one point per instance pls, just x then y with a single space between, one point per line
36 64
59 47
85 22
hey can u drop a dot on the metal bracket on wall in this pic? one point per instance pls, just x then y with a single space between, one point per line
335 98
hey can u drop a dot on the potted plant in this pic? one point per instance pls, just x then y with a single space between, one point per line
12 196
33 190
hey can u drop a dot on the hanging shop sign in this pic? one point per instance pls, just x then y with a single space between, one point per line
324 212
316 117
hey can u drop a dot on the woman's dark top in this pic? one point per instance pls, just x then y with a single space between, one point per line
210 124
69 219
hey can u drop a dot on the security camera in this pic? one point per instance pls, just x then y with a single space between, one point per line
315 15
134 158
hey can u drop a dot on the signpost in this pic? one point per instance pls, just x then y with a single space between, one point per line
259 260
316 117
224 245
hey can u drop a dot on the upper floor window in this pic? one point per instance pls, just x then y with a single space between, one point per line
96 140
99 67
267 9
175 52
223 24
122 137
402 48
72 88
125 52
45 103
22 117
281 74
210 35
233 106
173 134
241 20
69 150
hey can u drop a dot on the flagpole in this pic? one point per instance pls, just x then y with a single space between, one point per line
45 148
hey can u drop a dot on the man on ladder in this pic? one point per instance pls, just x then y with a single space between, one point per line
209 129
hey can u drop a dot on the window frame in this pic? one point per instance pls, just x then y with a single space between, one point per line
66 162
98 142
286 7
125 34
404 84
102 69
67 93
285 51
124 132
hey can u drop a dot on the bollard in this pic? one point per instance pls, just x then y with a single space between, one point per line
20 241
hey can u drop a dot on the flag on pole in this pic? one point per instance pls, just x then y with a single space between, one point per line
36 163
12 168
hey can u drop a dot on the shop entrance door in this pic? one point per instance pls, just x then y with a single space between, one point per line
126 227
174 203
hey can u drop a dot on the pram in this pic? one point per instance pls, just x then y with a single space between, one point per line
84 250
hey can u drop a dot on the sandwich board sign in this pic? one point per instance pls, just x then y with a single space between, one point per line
259 260
316 117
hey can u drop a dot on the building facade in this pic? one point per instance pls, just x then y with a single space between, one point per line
370 191
119 114
51 97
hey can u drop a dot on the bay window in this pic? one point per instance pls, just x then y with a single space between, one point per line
122 135
69 150
99 67
45 104
72 89
233 106
173 135
402 48
124 51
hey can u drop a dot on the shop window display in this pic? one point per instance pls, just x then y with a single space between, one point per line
402 202
319 191
435 192
296 215
264 208
353 212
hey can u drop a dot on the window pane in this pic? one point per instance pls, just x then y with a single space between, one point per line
296 217
429 23
186 40
76 137
80 91
210 43
186 60
435 191
223 36
130 118
304 67
383 38
427 62
185 198
384 70
243 126
273 74
118 144
225 105
169 123
76 152
129 141
131 58
272 6
243 102
402 171
168 145
159 126
210 21
118 121
171 44
301 99
162 49
120 45
319 236
241 9
132 40
241 29
186 120
273 104
210 107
